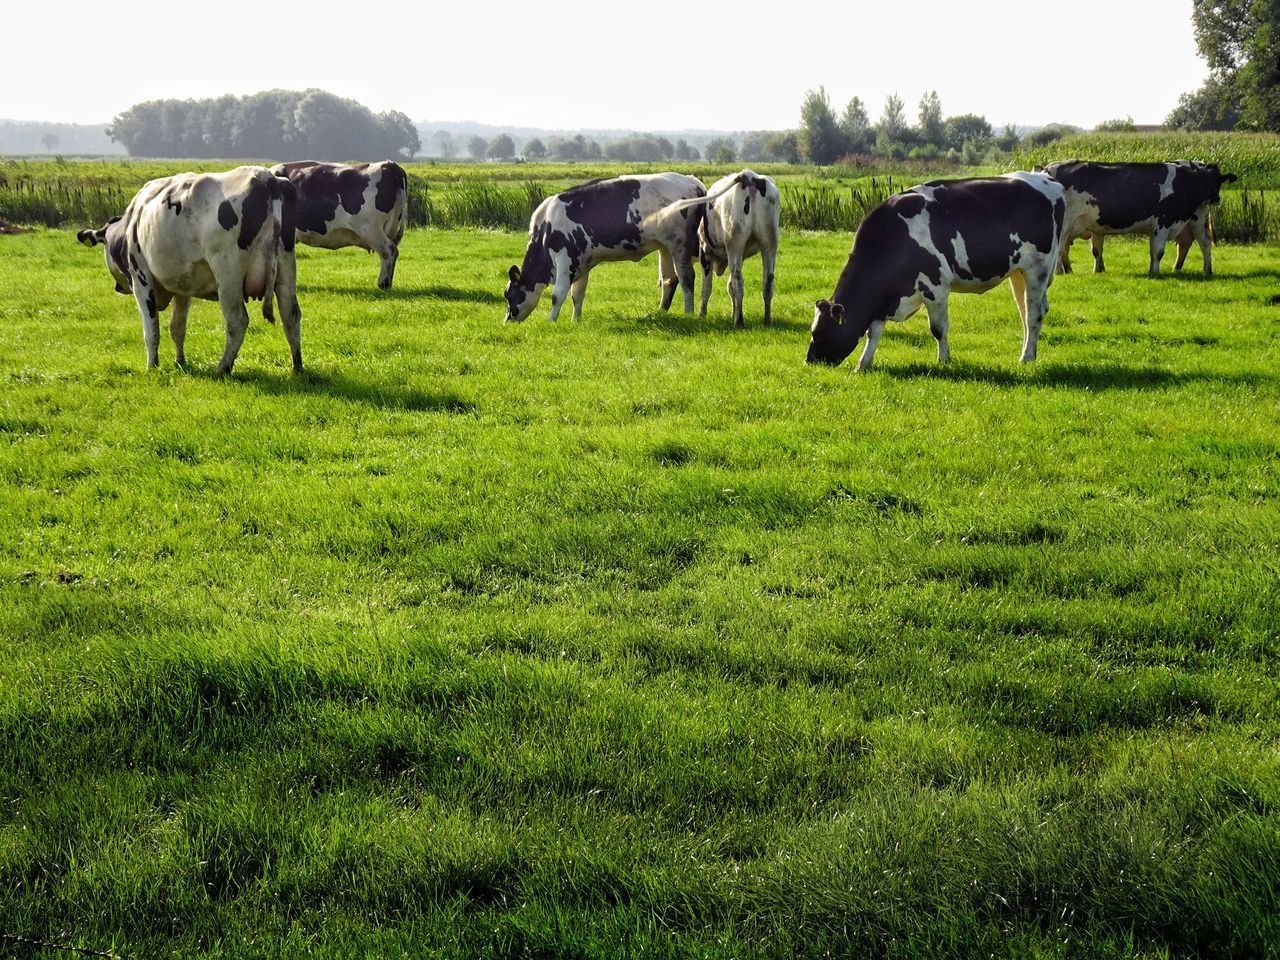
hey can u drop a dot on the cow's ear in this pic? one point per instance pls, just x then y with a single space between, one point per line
837 312
514 274
1230 178
88 237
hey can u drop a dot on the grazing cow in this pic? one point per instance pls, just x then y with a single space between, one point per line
218 236
741 221
1162 200
351 206
918 246
622 218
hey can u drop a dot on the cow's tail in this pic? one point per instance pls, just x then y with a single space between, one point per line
693 201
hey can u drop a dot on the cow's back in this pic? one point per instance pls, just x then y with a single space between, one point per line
190 227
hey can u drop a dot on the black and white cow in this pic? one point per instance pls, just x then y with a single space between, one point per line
362 205
743 212
622 218
918 246
218 236
1162 200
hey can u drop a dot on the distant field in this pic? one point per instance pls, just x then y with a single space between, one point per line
633 635
450 195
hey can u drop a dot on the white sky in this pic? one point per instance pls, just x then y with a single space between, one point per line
643 66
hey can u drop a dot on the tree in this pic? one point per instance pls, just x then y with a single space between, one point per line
666 149
50 141
1240 42
1049 133
966 128
683 150
891 132
856 125
821 139
501 147
783 147
720 150
445 144
1008 139
1119 125
1215 106
476 146
931 128
535 149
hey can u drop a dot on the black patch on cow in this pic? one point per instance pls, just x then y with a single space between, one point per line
171 204
256 209
118 248
322 187
603 210
227 215
152 312
1129 193
391 185
746 205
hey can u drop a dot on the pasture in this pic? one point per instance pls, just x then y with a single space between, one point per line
633 635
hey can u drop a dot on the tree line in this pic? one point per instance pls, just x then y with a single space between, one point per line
274 123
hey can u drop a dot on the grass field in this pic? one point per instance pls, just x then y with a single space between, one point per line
633 635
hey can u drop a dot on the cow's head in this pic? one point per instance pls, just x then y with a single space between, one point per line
112 237
520 299
1210 177
832 338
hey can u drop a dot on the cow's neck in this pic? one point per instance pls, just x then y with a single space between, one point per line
854 295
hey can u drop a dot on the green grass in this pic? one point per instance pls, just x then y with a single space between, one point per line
634 635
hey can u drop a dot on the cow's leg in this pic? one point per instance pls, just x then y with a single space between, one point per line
235 319
1095 244
286 290
938 326
145 296
388 252
564 279
1200 233
688 279
1158 240
704 258
667 278
869 351
178 329
1183 241
768 262
577 291
1018 283
1064 261
737 288
1037 299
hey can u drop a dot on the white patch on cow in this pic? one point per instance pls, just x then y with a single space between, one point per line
1166 188
926 192
961 252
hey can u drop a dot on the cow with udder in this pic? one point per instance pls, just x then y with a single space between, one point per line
357 205
620 218
919 246
742 219
1161 200
217 236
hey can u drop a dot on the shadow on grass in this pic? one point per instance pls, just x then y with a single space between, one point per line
385 396
456 294
681 324
1107 376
